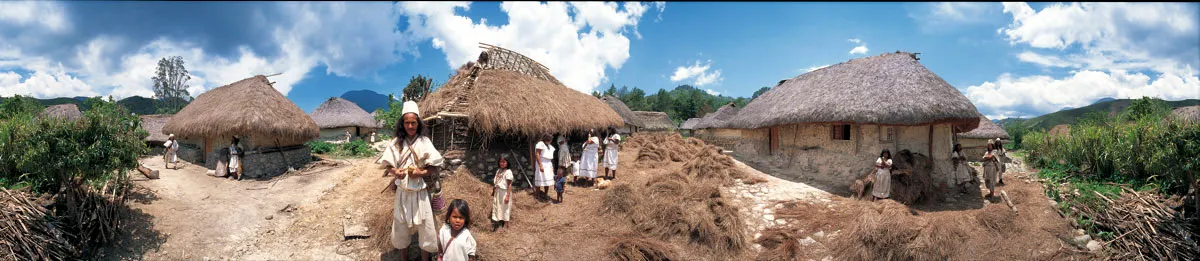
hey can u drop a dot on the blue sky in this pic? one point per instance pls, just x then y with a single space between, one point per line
1011 60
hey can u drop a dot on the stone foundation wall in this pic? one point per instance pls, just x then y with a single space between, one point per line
270 164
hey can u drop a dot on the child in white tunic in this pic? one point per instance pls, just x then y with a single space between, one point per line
610 153
455 241
501 201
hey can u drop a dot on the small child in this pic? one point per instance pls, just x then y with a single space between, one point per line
455 242
560 183
501 193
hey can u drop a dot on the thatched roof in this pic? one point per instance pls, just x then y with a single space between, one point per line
247 107
986 130
1061 130
722 118
337 112
154 125
655 121
62 111
689 124
1187 114
888 89
626 114
506 92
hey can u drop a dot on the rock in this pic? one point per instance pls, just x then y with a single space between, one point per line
807 241
1080 240
768 211
757 235
1094 246
780 222
1080 232
352 230
269 217
951 200
819 234
769 217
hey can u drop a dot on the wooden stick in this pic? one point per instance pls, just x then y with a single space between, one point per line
1007 200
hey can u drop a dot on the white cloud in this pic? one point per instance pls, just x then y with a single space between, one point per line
1011 96
712 92
860 49
45 14
546 32
942 16
700 74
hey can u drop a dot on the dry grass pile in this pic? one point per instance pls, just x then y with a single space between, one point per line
997 218
708 164
890 231
462 185
918 185
619 200
779 244
941 239
657 148
28 231
635 248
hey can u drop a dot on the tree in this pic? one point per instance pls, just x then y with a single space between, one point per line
1144 107
418 86
636 99
597 94
391 115
760 91
612 90
19 105
623 91
170 85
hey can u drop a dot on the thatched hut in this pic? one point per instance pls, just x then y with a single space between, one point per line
716 127
271 128
689 126
497 105
653 121
336 116
1189 114
974 142
153 124
633 123
68 111
831 123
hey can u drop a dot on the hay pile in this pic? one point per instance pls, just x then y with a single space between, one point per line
657 148
889 231
29 232
998 218
708 164
635 248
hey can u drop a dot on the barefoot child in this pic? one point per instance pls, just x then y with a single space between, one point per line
501 203
455 242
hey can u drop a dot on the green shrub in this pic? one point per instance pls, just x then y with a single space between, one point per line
356 148
320 147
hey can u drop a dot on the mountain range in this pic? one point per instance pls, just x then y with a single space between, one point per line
1068 116
368 100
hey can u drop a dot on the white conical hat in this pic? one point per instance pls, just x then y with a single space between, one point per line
411 106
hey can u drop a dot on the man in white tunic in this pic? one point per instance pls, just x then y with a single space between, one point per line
611 144
409 159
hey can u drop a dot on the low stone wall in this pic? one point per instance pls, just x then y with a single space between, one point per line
190 153
270 164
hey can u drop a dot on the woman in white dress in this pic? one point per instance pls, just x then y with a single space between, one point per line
962 172
409 160
611 145
501 193
882 188
544 169
590 157
235 156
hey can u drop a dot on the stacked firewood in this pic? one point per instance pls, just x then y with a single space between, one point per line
1146 228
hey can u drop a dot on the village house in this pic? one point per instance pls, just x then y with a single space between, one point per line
715 128
688 127
272 130
633 123
974 142
153 124
67 111
831 124
336 116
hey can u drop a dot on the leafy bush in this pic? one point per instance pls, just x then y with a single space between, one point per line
320 147
356 148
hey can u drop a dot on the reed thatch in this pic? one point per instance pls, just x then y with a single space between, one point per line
720 119
888 89
986 130
689 124
247 107
1187 114
655 121
337 112
626 114
62 111
506 92
154 125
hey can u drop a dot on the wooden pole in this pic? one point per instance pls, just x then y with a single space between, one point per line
151 174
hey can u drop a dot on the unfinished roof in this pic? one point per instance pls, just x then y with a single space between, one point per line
655 121
506 92
62 111
618 106
722 118
887 89
337 112
689 124
247 107
986 130
154 125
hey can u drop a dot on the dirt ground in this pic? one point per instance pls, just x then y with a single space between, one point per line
188 215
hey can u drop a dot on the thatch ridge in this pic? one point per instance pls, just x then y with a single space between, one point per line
337 112
67 111
986 130
722 118
517 99
618 106
655 121
154 125
887 89
689 124
246 107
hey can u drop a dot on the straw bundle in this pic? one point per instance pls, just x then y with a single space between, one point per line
879 234
998 218
917 185
619 200
636 248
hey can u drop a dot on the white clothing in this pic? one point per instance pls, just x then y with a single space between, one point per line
460 249
411 207
234 159
172 149
883 179
961 170
590 158
502 211
544 177
610 152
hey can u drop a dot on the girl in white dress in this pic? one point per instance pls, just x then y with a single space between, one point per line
455 242
501 191
544 175
611 144
590 157
882 188
962 173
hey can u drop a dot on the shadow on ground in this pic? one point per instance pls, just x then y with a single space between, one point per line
137 237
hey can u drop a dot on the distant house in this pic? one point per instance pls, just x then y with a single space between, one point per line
974 142
67 111
153 124
831 123
653 121
688 127
1189 114
633 123
336 116
716 128
272 129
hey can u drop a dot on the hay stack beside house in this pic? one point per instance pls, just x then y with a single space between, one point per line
336 116
272 129
67 111
974 142
500 104
633 122
830 124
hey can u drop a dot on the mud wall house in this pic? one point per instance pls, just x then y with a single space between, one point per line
974 142
716 127
830 124
499 105
633 122
271 128
688 127
336 116
653 121
153 124
66 111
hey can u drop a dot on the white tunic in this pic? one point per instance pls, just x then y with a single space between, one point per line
234 159
460 249
501 211
411 206
172 148
883 179
590 158
610 152
961 171
544 177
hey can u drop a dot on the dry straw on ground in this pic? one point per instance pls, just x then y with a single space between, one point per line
636 248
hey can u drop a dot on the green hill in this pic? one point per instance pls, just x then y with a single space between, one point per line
136 104
1069 116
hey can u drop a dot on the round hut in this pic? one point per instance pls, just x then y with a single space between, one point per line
653 121
153 124
336 116
832 122
1186 115
498 105
688 127
271 128
974 142
715 128
68 111
633 123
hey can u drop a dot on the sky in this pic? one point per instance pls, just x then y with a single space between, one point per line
1009 59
